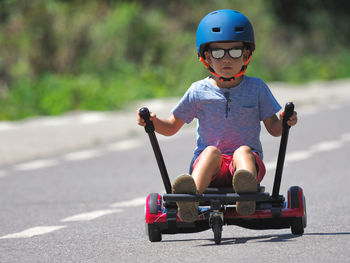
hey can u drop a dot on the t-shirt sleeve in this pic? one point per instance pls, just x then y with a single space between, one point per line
185 110
267 102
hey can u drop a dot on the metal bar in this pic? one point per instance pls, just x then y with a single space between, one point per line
220 197
288 112
149 128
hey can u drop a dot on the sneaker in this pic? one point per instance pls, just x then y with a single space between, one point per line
184 184
244 182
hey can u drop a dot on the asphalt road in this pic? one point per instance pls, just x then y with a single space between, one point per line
88 205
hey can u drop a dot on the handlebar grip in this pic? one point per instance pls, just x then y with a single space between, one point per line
288 112
145 115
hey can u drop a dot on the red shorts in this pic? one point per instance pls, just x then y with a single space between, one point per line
224 177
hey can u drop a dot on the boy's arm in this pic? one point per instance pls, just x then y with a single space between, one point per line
166 127
273 124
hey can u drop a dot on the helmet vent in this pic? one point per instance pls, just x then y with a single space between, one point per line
239 29
216 29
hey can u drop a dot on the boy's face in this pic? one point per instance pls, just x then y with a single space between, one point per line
227 66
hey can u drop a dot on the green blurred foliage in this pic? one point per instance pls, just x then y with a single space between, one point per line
60 55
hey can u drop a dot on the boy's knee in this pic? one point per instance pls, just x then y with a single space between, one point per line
244 150
212 150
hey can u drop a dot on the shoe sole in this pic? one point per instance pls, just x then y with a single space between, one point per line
188 211
245 208
244 182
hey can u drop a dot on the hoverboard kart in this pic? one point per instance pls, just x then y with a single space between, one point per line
217 205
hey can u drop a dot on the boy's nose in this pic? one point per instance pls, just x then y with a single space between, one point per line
227 57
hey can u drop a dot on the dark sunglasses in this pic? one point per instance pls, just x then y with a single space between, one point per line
219 53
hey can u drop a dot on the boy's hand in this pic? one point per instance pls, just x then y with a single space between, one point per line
141 121
292 120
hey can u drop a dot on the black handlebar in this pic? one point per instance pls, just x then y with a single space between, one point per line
144 114
149 128
288 112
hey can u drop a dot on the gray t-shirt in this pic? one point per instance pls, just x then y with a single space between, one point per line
227 118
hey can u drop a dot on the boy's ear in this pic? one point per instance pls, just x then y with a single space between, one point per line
207 57
246 54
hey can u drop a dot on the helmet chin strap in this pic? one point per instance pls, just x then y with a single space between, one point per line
222 79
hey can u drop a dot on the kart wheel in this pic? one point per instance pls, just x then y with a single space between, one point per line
304 218
153 232
217 229
298 224
153 203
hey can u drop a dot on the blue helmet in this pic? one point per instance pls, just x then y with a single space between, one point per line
224 25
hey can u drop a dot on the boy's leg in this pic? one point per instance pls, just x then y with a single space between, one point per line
244 178
243 158
208 165
184 184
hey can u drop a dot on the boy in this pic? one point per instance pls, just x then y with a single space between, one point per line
229 107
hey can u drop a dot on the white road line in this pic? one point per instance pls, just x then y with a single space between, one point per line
34 231
298 156
90 215
131 203
82 155
326 146
319 147
125 145
134 143
39 164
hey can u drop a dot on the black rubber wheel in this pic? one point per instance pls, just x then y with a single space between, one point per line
153 232
305 214
298 224
217 229
153 203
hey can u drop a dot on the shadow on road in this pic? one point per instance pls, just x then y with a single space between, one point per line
263 238
274 238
